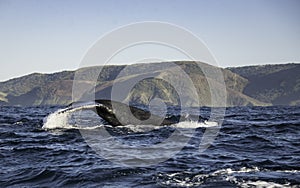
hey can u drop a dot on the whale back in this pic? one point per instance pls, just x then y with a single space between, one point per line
108 110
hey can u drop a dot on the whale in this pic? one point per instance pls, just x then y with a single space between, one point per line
118 114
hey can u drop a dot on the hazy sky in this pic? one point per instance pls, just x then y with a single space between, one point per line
53 35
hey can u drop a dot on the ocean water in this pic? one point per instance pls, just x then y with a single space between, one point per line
255 147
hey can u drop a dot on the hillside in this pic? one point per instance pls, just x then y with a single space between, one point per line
252 85
149 89
276 84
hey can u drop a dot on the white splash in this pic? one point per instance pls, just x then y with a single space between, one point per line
229 171
263 184
180 125
141 128
174 179
230 176
195 124
57 120
61 118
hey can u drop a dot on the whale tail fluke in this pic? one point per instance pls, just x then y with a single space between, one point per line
107 110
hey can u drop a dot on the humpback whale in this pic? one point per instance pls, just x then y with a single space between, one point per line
117 114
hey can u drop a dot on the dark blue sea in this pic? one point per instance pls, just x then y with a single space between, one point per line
255 147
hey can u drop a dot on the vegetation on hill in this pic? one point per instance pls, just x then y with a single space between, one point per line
251 85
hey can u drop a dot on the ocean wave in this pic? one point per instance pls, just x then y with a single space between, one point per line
227 176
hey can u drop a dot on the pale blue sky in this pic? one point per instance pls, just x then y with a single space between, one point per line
53 35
